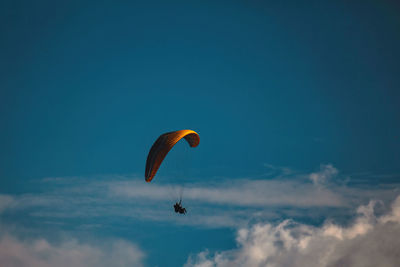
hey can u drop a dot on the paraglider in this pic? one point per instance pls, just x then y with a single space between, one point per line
159 151
178 207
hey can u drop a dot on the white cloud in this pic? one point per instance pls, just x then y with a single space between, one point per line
368 241
6 201
326 173
394 216
41 253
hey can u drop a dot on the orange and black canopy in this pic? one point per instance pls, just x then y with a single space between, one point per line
163 145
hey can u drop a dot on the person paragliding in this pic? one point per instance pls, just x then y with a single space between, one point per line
159 151
178 207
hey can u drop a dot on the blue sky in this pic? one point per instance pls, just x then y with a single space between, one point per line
296 105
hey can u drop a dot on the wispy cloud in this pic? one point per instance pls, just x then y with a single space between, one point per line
324 175
243 192
6 201
221 203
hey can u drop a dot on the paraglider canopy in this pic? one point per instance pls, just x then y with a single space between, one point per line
163 145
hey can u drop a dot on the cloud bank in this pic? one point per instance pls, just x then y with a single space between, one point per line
41 253
369 241
245 204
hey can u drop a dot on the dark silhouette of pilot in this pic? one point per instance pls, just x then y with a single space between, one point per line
178 208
